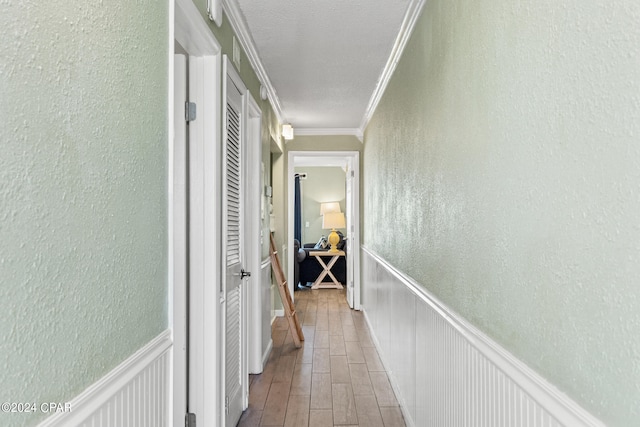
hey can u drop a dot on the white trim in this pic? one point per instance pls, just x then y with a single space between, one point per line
101 392
411 16
204 237
558 404
267 352
178 268
329 132
178 369
253 201
246 41
277 313
355 233
192 32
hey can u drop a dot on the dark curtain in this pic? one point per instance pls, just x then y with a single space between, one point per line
297 212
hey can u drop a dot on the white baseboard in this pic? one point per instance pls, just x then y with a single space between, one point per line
135 393
267 353
447 372
277 313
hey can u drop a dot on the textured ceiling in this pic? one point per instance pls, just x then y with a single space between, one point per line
324 57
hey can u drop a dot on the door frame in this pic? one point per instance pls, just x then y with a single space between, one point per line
188 28
254 235
328 158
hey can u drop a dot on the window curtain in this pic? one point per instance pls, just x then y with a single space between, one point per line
297 211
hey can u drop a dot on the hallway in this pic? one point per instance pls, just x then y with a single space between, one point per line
336 378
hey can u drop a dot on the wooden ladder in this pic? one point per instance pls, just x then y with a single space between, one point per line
287 302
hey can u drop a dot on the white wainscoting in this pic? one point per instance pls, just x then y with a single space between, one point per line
135 394
444 371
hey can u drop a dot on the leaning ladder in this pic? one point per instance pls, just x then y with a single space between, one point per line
287 302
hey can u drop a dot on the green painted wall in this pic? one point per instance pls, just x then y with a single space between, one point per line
324 143
501 172
83 197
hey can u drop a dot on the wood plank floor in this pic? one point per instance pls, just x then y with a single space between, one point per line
335 379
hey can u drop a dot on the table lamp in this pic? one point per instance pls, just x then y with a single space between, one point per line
333 220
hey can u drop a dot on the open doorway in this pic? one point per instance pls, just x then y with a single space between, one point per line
342 165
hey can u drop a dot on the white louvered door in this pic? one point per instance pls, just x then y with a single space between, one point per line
233 227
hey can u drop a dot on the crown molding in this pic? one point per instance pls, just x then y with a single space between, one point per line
329 132
410 17
239 26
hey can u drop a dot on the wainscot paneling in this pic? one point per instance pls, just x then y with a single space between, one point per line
135 394
444 371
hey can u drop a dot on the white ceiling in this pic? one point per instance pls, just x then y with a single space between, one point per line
324 57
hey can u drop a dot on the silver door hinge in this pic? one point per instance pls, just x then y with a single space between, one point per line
190 420
226 405
353 174
189 111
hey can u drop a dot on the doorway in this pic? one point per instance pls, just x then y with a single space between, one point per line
349 161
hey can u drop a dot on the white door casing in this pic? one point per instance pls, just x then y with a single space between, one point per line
178 238
350 175
353 224
253 240
204 223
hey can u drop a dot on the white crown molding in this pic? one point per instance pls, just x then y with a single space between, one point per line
409 21
236 19
329 132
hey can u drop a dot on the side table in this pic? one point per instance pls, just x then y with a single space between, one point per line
327 269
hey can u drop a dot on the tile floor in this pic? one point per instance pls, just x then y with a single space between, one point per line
335 379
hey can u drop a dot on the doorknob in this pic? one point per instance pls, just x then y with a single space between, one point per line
244 274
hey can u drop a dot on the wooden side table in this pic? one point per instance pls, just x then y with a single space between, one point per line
327 269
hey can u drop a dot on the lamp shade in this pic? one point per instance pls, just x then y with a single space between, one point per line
328 207
333 220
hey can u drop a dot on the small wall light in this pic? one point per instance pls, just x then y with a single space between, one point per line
287 132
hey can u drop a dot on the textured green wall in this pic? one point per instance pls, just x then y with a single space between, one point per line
324 143
501 171
83 197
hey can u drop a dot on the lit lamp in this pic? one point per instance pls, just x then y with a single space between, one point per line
333 220
328 207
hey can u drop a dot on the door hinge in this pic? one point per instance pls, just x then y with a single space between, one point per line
189 111
190 420
353 174
226 405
